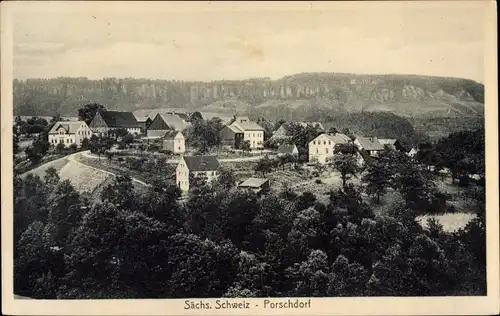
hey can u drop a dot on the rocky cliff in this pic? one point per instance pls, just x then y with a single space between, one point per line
405 95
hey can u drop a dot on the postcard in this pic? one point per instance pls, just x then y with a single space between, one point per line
249 158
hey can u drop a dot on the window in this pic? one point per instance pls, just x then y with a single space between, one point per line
324 142
326 150
317 151
329 142
314 142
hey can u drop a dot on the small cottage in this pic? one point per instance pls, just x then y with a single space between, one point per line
174 142
370 144
256 185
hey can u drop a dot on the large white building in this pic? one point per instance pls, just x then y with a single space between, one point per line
206 167
252 132
69 132
322 147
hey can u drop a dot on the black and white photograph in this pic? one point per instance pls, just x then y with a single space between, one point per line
249 157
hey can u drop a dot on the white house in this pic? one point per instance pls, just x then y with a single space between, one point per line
205 167
252 132
322 147
69 132
370 144
175 142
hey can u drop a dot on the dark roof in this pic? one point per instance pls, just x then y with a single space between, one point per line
287 148
253 183
370 143
119 119
201 163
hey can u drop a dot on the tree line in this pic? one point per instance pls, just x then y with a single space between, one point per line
223 242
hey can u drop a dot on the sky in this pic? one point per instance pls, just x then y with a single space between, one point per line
214 41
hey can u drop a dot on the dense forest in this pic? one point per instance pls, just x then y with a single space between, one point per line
402 94
223 242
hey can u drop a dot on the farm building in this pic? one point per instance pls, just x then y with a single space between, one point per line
106 122
144 123
69 132
252 132
291 149
392 143
174 142
413 152
322 147
166 122
370 144
231 136
256 185
205 167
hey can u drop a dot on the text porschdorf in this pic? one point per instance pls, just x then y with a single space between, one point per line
236 304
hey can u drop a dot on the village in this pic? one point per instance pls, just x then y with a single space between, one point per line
242 146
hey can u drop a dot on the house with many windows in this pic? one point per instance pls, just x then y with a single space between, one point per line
69 132
322 147
252 132
107 122
202 167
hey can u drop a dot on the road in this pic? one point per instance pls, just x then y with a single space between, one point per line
174 161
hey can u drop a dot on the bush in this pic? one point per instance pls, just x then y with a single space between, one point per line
318 181
73 147
109 155
120 159
60 148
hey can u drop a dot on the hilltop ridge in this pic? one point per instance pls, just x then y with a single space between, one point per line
405 95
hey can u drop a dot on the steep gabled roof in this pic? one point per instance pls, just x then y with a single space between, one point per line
337 138
118 119
142 119
246 125
234 128
174 121
71 127
370 143
201 163
387 141
170 135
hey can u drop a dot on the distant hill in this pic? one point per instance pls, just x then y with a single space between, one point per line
293 96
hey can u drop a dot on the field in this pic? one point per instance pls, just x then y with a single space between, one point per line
451 221
83 178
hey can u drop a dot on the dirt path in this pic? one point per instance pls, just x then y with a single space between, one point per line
74 158
174 161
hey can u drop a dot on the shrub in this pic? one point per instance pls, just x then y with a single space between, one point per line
109 154
73 147
318 181
60 148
